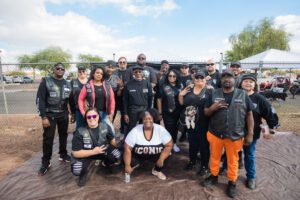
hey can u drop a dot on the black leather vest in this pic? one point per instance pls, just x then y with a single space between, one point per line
229 122
57 97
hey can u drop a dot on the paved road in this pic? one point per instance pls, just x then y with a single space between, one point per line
19 102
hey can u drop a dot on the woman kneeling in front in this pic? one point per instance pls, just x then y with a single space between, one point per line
93 142
147 141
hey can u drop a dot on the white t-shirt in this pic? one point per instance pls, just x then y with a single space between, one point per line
143 147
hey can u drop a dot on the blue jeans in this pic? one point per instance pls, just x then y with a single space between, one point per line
79 119
104 118
249 158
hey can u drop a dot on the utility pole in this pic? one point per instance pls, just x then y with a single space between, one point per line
114 56
3 89
221 63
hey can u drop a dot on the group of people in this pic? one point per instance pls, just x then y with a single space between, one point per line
218 112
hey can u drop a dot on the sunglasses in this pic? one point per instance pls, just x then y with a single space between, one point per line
122 62
210 64
172 76
199 77
141 58
234 66
60 68
137 72
91 116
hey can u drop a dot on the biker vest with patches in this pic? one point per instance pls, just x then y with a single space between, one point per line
57 98
76 90
229 122
88 141
171 95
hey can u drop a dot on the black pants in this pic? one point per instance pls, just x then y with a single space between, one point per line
139 160
134 114
79 166
170 122
48 136
198 141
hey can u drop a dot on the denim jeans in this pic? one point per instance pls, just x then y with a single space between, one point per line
79 119
104 118
249 152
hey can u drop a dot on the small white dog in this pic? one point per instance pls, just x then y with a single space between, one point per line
190 115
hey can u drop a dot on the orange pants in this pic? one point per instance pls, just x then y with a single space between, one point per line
232 148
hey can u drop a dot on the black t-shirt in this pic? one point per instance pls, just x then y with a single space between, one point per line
186 80
228 98
163 95
215 80
100 98
197 102
77 141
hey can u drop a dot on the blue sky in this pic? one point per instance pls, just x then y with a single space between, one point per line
162 29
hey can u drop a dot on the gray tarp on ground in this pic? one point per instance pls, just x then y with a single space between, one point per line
278 171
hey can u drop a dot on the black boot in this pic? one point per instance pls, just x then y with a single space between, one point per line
231 189
211 180
82 180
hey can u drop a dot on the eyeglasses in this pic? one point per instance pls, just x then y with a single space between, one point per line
59 68
122 62
91 116
172 76
199 77
141 58
210 64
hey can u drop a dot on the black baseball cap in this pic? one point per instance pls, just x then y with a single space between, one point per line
237 63
200 73
227 73
81 67
249 76
111 63
137 67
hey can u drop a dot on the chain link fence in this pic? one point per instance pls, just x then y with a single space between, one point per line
19 88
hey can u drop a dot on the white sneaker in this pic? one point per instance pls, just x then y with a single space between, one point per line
159 175
176 148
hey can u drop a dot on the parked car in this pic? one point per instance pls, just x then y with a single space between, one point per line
27 79
17 79
7 79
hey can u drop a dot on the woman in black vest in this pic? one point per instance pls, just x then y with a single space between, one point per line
193 99
168 104
93 142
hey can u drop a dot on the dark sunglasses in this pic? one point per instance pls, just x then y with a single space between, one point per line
59 68
122 62
137 72
210 64
91 116
199 77
141 58
234 66
172 76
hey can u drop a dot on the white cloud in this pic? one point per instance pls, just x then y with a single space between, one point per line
33 28
291 23
133 7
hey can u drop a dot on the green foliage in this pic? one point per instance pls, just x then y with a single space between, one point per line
49 55
256 39
16 73
88 58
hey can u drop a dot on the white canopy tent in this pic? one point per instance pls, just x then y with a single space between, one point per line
272 58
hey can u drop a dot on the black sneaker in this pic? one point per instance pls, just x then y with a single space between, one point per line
231 189
65 158
190 166
44 168
203 171
211 180
82 180
250 183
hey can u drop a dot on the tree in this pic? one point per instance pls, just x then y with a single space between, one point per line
45 58
88 58
256 39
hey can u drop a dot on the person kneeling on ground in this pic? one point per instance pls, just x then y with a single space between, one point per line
147 141
93 142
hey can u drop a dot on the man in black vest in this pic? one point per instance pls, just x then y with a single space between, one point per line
213 79
231 121
52 102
